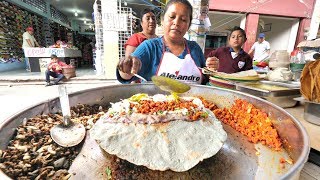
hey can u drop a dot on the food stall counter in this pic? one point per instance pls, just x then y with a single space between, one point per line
39 57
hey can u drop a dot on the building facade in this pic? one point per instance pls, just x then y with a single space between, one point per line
285 22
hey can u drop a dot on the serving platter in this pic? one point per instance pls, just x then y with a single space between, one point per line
278 93
222 83
241 76
238 158
288 84
267 89
233 78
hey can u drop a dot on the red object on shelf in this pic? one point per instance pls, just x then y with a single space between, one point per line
262 64
294 52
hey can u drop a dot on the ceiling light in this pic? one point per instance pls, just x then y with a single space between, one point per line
85 21
125 3
76 13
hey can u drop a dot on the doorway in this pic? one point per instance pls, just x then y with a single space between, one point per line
281 32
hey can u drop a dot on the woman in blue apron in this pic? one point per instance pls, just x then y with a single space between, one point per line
170 55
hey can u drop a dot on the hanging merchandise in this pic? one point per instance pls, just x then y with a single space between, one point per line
12 25
47 33
197 28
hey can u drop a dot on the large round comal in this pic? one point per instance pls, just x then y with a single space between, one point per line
237 159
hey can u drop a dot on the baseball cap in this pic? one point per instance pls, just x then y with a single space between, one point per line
261 35
29 28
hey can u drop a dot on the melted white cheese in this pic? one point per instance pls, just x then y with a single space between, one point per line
124 105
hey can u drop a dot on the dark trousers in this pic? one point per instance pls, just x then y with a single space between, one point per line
59 76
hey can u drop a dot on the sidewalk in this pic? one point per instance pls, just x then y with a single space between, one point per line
19 77
16 97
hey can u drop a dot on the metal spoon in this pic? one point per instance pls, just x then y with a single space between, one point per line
170 85
140 77
68 133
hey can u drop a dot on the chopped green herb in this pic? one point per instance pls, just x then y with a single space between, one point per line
109 173
204 115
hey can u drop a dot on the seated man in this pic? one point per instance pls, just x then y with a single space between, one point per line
55 70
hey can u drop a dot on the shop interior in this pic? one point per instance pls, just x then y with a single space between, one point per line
221 23
275 28
68 24
279 29
54 32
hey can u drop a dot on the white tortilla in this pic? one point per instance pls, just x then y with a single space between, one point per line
176 145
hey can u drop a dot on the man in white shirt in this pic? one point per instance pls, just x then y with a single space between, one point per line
261 48
28 39
28 42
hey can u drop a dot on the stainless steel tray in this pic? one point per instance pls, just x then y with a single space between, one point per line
278 93
267 89
288 84
311 111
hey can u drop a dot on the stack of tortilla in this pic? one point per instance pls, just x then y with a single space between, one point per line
249 75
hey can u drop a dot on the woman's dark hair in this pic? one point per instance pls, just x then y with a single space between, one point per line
237 28
145 11
185 2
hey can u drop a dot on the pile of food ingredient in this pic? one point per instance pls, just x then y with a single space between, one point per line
251 122
145 109
160 132
32 154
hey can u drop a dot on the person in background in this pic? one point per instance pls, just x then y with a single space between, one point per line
55 70
233 58
148 24
28 42
260 49
28 38
171 55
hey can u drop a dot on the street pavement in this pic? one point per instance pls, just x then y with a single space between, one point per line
15 97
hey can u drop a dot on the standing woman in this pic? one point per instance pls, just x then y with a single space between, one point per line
148 24
171 55
233 58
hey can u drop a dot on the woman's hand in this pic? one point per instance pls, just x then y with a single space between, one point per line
212 63
129 66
